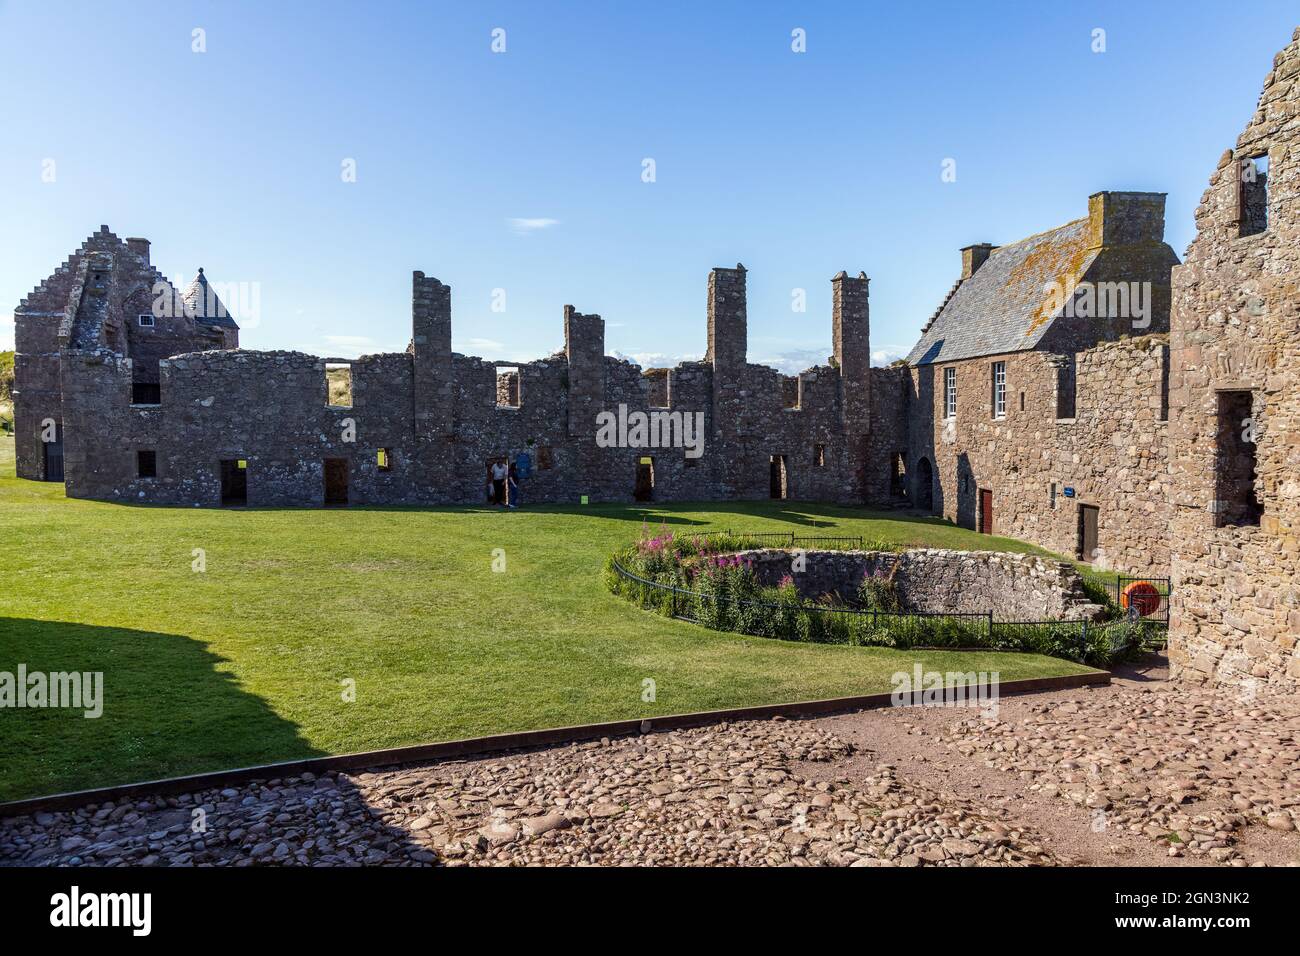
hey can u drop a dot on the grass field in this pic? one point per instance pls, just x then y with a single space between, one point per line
243 663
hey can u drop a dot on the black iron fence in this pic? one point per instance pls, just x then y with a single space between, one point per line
1138 597
836 624
792 539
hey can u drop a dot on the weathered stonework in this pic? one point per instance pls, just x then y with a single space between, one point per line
1236 314
1030 468
1139 442
1112 453
423 424
1012 587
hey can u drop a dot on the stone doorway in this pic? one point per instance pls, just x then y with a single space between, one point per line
53 452
925 485
1089 516
779 477
986 511
336 482
645 480
234 482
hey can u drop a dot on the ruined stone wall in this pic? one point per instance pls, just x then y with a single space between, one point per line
891 390
71 310
1236 311
1013 587
437 418
1112 452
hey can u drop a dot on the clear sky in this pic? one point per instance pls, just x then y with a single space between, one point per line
523 170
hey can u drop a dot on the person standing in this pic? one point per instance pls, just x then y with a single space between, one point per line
512 487
499 474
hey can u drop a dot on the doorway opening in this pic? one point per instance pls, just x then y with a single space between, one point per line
986 511
1089 516
53 453
925 485
336 482
234 482
645 480
780 478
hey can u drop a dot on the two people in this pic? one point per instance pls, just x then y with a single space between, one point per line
503 484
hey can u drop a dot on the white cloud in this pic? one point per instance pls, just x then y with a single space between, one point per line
654 359
350 341
793 361
887 355
476 346
525 227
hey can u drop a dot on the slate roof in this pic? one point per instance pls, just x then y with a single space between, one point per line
1003 307
207 308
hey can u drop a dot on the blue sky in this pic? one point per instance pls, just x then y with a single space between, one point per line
796 164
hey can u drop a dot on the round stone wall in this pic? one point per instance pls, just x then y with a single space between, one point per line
1014 587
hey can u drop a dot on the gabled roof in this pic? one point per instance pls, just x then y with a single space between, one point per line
201 301
1005 306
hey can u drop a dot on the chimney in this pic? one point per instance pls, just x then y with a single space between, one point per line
727 317
1125 219
140 247
972 257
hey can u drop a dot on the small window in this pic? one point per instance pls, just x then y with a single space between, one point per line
950 393
1254 195
384 459
1052 496
898 476
1164 383
1022 401
819 455
1236 500
791 392
1066 383
146 320
146 393
507 386
146 463
338 384
999 389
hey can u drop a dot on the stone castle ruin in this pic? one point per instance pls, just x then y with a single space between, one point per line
1079 389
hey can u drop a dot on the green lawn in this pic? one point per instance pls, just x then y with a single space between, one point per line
242 664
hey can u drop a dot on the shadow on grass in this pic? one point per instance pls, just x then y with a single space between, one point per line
167 710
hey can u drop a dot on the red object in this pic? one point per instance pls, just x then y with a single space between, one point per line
1141 595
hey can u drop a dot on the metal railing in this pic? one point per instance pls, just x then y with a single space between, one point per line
869 626
790 538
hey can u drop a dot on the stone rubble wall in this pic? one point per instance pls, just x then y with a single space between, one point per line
1014 587
440 417
1113 453
1236 310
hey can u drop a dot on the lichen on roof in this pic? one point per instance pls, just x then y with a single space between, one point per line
1008 305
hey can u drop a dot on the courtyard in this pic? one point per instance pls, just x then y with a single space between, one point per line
230 638
1140 773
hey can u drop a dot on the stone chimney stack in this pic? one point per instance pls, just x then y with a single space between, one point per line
431 344
140 247
1125 219
728 321
584 347
972 257
851 339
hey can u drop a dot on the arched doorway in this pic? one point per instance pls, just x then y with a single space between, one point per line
925 485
